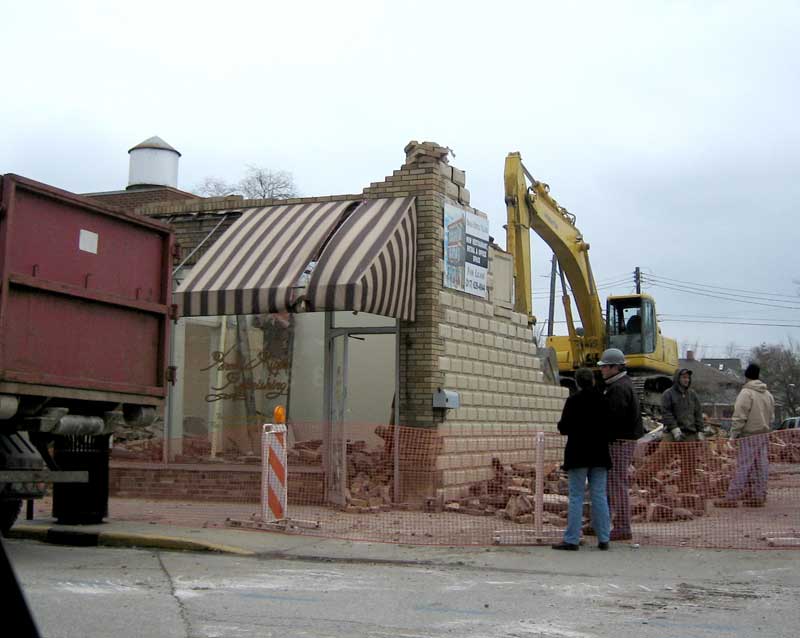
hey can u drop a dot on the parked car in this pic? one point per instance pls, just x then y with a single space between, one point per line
791 423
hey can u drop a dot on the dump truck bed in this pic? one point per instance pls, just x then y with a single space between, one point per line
85 297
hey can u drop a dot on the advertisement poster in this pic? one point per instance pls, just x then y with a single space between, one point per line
466 250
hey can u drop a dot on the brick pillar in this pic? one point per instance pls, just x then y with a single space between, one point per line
427 175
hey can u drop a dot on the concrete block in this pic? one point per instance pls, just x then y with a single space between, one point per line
442 462
444 363
445 298
452 190
463 195
468 336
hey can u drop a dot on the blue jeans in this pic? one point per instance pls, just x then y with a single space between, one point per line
601 522
752 469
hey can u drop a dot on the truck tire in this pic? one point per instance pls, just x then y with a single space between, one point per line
9 510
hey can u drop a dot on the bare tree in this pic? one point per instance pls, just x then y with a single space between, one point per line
263 183
780 370
216 187
258 183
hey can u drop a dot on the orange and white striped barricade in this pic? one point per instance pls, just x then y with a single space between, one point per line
273 472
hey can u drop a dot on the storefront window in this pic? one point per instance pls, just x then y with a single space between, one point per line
234 370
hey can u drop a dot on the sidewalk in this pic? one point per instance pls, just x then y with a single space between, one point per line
270 544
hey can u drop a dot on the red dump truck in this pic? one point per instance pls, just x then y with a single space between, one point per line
85 306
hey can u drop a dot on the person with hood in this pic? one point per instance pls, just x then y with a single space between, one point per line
753 414
626 426
681 412
584 420
682 417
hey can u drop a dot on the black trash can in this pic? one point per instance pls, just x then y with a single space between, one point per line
82 503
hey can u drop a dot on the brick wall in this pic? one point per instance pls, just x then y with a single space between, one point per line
231 483
479 348
133 199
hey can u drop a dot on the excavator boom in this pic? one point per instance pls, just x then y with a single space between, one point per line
630 324
533 207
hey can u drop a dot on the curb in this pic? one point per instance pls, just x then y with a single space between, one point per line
84 538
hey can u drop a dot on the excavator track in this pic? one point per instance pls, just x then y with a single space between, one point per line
649 389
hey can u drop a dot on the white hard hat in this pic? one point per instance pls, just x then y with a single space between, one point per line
612 357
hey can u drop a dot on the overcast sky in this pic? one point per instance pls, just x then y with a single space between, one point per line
671 130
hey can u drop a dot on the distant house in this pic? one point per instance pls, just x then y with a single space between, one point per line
728 366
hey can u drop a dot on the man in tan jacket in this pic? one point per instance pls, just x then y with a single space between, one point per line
753 414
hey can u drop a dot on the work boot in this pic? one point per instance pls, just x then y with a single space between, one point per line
602 546
754 502
621 536
564 545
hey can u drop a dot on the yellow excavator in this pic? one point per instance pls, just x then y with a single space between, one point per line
630 321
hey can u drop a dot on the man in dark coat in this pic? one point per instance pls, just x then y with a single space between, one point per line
626 427
584 421
682 417
682 414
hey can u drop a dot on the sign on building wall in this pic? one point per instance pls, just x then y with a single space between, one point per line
466 250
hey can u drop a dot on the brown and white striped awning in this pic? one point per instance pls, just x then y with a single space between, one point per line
365 254
369 263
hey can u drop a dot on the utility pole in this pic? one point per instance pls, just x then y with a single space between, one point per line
552 296
637 278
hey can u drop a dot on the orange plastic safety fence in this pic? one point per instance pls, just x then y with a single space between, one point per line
411 485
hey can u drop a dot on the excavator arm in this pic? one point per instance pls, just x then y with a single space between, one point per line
531 207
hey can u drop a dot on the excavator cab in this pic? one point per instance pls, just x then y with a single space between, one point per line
631 324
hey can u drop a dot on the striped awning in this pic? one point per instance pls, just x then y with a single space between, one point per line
369 263
362 255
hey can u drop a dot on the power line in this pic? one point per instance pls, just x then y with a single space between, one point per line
708 294
659 282
685 316
694 283
732 323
